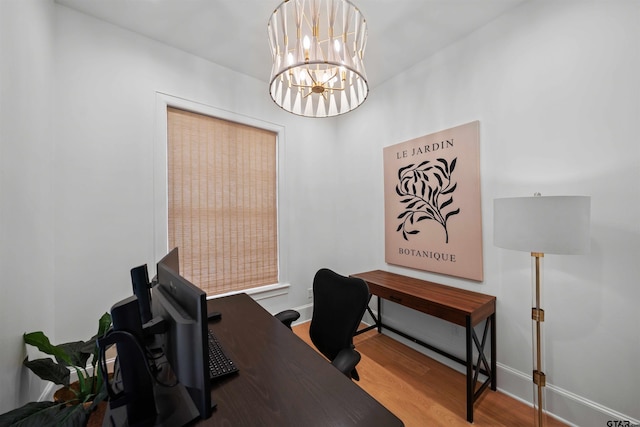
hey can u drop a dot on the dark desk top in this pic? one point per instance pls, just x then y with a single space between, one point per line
281 380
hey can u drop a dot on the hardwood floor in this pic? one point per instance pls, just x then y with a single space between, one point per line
423 392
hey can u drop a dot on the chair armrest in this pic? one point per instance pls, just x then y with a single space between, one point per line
346 361
287 317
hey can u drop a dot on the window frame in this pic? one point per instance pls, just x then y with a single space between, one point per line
160 184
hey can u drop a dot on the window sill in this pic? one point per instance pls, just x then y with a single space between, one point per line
259 293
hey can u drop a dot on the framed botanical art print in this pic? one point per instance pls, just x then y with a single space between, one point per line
433 217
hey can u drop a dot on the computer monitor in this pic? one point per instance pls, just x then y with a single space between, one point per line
171 260
141 289
183 307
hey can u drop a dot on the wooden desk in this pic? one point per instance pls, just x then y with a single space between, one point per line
281 380
464 308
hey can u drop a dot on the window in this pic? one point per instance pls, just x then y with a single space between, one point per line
222 201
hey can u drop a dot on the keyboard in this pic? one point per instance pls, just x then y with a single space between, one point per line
220 364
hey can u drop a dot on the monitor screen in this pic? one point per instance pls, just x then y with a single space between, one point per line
183 307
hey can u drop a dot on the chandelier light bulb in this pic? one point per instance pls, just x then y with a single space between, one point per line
336 45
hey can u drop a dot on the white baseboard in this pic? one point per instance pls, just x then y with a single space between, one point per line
564 405
47 393
305 313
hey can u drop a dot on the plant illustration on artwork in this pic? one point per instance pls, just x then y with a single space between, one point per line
427 193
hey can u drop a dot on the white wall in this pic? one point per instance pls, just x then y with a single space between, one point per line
78 171
107 82
26 199
555 88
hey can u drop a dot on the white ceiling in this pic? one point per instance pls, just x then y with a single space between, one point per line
233 33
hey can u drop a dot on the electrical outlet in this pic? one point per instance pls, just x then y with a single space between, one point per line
310 293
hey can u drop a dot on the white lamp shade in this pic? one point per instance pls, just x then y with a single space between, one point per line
549 224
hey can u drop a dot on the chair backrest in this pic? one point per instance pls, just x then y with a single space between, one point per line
339 303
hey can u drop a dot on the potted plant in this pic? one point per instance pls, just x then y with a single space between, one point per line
73 407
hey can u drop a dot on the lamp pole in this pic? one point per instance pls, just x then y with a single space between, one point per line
537 315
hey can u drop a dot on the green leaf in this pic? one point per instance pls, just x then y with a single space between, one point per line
100 397
104 324
39 339
85 386
98 380
48 370
31 414
76 354
91 346
88 347
72 416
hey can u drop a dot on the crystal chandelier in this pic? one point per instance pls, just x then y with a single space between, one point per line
317 48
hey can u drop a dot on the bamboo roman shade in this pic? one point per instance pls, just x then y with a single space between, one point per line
222 201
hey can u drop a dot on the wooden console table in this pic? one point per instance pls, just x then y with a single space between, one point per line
464 308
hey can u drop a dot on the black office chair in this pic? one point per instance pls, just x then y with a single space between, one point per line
339 303
287 317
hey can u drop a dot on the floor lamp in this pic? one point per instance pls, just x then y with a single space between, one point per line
553 225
